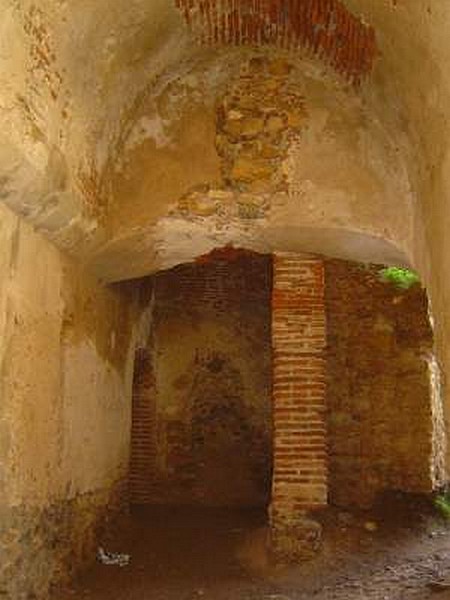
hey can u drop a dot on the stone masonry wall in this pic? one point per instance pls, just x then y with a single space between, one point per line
380 407
202 429
299 484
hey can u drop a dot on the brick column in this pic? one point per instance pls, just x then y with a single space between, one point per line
143 451
299 483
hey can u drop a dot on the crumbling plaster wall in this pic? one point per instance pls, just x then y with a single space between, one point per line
66 365
414 39
69 87
327 176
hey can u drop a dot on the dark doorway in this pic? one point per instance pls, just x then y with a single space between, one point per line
202 418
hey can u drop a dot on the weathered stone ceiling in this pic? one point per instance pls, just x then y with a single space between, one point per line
255 148
78 80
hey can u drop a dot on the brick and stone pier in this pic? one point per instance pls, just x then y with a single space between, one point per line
299 485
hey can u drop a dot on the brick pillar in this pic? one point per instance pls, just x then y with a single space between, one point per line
143 439
299 483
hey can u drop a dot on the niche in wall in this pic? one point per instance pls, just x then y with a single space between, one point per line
202 431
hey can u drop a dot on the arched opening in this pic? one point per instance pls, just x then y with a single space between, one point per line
227 416
202 392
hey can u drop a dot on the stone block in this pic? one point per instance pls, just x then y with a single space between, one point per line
246 169
251 127
246 127
269 151
233 128
294 542
202 205
221 195
296 118
279 67
275 124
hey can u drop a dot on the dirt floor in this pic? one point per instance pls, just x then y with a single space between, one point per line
398 551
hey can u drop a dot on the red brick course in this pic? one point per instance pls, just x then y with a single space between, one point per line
298 337
325 27
143 440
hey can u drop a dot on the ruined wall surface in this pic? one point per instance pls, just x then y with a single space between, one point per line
207 432
65 411
67 121
63 115
300 482
283 155
381 411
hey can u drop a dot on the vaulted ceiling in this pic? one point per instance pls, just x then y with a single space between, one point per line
109 118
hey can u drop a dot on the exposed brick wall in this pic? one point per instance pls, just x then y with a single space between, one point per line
325 27
300 450
143 431
380 408
373 426
212 363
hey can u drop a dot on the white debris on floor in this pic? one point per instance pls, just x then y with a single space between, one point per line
112 558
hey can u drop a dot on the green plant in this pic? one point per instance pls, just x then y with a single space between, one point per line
442 503
402 278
